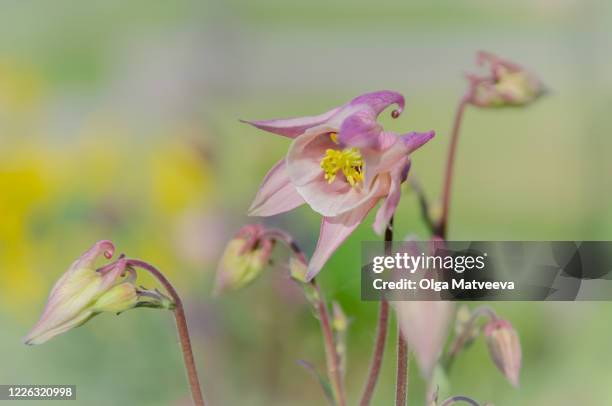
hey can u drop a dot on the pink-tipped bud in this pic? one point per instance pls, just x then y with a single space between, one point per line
85 291
504 348
507 84
244 258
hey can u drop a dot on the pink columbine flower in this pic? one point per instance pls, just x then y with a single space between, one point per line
506 84
85 291
341 163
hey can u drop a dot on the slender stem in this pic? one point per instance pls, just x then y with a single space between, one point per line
459 342
377 356
423 204
448 175
381 335
456 399
285 238
331 354
401 384
181 326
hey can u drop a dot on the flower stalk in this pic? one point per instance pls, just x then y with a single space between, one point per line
332 357
460 341
442 227
381 334
401 385
377 356
181 327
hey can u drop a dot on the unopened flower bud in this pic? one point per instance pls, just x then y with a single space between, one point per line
244 258
84 291
507 84
339 320
298 270
464 325
424 325
117 299
504 348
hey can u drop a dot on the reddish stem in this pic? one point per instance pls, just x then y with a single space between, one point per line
459 341
448 175
181 326
377 357
381 335
331 355
401 388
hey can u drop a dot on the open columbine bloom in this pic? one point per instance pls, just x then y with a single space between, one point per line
84 291
507 84
341 163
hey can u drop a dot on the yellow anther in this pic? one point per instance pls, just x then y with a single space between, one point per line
334 137
349 161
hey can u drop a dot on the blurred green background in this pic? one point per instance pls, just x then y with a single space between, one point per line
119 120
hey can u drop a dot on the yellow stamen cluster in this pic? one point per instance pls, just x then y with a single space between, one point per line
349 161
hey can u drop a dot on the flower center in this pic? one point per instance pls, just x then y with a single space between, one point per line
349 161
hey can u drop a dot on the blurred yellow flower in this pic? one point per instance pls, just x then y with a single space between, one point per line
21 88
180 178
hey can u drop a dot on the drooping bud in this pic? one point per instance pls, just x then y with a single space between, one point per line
84 291
424 325
245 256
507 84
504 348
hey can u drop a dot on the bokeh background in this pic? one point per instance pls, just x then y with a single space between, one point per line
119 120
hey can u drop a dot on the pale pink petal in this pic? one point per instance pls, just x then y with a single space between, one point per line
305 155
360 130
39 336
377 162
113 275
333 232
330 200
292 127
380 100
88 259
415 140
276 193
387 209
424 325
